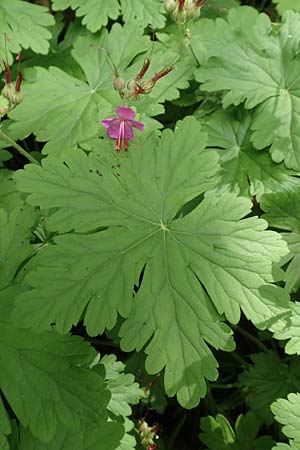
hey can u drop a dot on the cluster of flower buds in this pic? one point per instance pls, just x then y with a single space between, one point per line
148 435
183 10
10 91
136 86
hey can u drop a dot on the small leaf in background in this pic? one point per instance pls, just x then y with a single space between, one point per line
218 434
26 26
267 379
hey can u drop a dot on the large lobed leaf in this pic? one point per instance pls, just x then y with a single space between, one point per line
65 111
255 63
139 205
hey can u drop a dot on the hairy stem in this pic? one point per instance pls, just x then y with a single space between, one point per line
21 150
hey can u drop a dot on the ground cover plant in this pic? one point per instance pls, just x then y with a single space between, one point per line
149 225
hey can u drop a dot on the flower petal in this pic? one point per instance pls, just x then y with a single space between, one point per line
125 113
128 133
136 124
107 122
114 130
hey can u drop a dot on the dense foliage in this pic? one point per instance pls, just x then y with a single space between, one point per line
149 225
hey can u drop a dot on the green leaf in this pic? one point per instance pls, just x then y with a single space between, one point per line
287 412
10 198
283 211
124 392
123 388
14 241
44 384
89 102
263 74
218 8
218 434
145 12
290 329
138 203
86 103
102 436
25 25
266 380
246 171
284 5
5 427
95 14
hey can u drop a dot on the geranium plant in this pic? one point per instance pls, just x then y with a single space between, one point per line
150 223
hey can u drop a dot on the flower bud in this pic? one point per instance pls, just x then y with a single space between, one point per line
146 86
8 91
119 84
16 98
170 6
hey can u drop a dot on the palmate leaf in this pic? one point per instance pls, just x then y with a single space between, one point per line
94 274
100 436
245 170
96 14
26 26
263 74
65 111
41 375
266 380
287 413
218 434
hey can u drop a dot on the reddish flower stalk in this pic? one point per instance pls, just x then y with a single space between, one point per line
144 69
199 3
19 77
157 76
181 5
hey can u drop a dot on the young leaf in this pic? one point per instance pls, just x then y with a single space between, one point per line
124 392
138 204
123 388
290 329
287 412
218 434
246 171
25 25
266 380
263 73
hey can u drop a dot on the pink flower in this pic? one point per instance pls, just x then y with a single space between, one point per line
120 128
